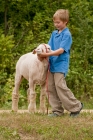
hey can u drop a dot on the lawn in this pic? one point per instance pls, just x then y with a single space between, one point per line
25 126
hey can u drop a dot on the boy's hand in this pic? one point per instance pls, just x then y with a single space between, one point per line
42 54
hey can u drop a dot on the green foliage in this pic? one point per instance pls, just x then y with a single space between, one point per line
81 53
6 57
6 44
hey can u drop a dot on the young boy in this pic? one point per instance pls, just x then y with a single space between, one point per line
60 42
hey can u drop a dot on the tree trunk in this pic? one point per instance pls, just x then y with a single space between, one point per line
5 16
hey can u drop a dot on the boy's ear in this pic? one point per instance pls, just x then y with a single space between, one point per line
34 51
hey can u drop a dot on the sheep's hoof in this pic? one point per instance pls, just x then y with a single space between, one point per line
32 110
41 111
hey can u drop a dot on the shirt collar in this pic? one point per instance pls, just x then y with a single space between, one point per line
61 31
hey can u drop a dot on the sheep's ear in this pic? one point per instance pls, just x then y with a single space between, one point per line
34 51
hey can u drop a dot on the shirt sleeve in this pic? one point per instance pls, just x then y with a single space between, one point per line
66 42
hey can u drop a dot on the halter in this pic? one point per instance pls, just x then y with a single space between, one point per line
47 79
46 48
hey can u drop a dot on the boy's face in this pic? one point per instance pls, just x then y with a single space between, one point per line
59 24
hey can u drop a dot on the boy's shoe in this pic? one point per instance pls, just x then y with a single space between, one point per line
75 114
53 115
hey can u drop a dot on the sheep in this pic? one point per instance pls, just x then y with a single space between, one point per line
34 70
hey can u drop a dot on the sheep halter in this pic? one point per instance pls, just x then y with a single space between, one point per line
47 81
45 48
47 86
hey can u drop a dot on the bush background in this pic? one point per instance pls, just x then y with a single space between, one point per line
26 24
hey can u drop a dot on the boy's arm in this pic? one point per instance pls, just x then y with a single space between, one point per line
52 53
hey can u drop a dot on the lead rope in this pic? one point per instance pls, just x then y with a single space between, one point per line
47 81
47 87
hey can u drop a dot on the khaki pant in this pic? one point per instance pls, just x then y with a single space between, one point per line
60 95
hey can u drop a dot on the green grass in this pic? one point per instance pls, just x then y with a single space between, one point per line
15 126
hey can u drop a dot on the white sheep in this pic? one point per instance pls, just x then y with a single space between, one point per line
33 69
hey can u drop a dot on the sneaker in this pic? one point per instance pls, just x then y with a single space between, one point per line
75 114
53 115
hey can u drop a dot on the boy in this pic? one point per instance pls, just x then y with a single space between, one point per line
60 42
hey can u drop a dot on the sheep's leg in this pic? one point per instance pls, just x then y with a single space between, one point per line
28 95
42 99
15 94
32 98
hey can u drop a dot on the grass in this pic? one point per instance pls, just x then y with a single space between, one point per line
16 126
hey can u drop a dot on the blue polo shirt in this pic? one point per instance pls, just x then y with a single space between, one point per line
60 64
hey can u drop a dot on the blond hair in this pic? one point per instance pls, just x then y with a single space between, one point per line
62 14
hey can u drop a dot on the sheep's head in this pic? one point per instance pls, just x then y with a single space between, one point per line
42 48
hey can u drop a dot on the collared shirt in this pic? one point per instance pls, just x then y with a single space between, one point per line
60 40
